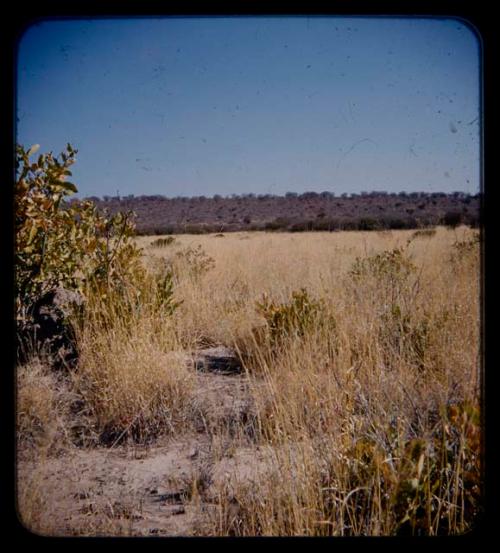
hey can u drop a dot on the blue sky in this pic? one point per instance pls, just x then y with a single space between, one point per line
204 106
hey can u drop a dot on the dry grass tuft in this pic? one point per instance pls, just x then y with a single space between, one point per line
43 403
133 387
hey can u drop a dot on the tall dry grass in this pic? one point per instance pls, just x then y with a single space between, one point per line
370 401
360 403
133 376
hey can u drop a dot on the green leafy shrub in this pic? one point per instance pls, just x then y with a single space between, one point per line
71 246
429 485
440 479
62 245
43 257
164 292
291 319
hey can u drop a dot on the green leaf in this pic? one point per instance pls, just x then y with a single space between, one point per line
68 186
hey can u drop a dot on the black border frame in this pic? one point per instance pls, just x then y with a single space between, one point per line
479 16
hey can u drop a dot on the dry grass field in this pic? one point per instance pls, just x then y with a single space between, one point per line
356 411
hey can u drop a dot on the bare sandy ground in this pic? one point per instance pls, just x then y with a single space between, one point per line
170 488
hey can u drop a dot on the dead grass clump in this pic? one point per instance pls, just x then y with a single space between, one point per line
424 233
162 242
43 406
134 389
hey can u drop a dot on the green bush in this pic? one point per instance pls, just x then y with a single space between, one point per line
440 478
66 245
164 292
430 485
291 319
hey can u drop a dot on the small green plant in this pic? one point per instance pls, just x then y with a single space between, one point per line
291 319
429 485
439 488
164 292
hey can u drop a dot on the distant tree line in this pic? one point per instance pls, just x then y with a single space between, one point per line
293 212
302 196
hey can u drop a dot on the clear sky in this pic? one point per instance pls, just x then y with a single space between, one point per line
204 106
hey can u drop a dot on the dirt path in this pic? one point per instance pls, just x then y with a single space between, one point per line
166 489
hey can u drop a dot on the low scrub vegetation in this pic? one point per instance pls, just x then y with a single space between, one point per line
162 242
73 247
305 212
360 355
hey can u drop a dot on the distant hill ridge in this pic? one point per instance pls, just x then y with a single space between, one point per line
296 212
